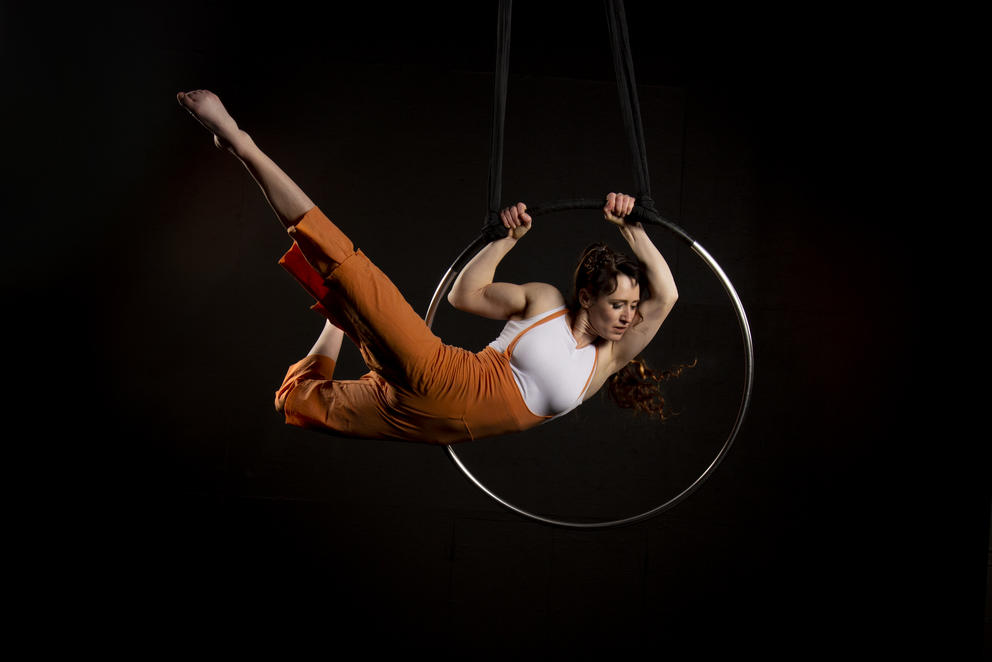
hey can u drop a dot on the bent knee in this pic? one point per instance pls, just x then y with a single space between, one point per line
312 369
282 395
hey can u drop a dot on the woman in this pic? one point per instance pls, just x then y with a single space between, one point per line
548 360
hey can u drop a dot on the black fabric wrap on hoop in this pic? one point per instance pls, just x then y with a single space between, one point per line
640 214
623 63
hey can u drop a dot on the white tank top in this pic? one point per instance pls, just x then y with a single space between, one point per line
550 372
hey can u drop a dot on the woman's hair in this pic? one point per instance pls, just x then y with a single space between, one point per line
598 270
635 386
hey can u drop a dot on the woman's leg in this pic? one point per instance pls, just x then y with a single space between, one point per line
287 200
311 398
329 342
359 300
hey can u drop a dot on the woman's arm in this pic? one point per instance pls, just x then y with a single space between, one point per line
474 290
652 311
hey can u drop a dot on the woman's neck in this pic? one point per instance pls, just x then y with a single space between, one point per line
582 331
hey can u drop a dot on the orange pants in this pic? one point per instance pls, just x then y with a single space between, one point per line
418 388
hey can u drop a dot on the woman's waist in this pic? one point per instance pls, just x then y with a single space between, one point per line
477 386
457 375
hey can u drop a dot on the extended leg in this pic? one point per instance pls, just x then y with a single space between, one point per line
358 298
287 200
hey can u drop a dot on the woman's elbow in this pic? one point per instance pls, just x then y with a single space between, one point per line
464 298
666 293
456 299
667 299
280 400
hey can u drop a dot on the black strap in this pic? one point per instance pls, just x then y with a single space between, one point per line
493 228
623 62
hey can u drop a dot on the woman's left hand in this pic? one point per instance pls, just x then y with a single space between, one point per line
618 205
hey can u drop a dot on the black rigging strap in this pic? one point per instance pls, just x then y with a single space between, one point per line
493 225
623 63
626 86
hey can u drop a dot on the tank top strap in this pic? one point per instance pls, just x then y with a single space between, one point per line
553 316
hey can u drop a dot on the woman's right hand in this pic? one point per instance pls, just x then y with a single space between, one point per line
516 219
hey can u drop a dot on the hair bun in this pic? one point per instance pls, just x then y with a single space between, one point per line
596 257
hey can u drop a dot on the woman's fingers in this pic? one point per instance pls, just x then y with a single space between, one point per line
618 205
623 204
515 215
522 213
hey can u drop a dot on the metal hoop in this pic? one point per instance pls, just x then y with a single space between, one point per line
650 217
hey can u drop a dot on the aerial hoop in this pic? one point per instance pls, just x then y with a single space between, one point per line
649 217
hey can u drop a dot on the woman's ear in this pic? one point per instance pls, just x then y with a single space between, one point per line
585 299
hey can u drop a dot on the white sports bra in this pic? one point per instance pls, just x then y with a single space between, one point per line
551 373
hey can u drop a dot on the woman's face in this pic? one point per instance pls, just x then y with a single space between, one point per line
610 315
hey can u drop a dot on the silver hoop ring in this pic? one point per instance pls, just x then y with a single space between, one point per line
650 217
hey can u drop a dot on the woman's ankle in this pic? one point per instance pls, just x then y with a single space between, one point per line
241 145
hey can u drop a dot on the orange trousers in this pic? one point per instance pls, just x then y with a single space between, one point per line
418 388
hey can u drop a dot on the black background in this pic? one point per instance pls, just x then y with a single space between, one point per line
158 498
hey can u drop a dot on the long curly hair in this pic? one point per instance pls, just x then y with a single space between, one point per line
638 387
635 386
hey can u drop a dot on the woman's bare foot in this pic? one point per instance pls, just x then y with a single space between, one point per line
288 200
206 107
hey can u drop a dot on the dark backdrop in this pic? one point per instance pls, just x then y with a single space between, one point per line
158 495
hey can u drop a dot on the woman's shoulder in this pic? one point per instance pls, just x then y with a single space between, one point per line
541 298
